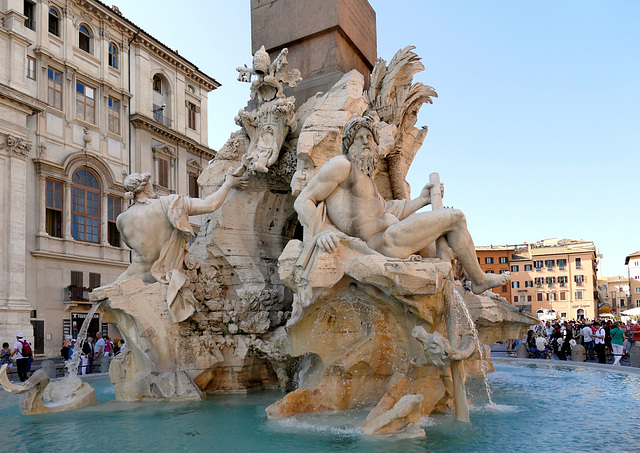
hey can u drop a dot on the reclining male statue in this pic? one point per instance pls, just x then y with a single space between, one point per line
345 192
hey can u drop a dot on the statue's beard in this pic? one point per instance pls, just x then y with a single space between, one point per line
365 160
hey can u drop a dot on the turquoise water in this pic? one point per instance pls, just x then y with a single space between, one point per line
538 408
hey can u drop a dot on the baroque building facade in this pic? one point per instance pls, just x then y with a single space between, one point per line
551 276
86 97
632 261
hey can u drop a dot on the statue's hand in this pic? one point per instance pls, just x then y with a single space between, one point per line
426 192
236 178
328 241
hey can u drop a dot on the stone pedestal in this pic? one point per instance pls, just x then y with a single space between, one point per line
578 353
522 352
634 356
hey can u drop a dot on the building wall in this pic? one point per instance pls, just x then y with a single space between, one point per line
633 265
44 145
496 260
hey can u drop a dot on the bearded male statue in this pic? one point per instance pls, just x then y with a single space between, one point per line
345 192
157 230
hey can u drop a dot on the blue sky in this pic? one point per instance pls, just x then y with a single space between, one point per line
536 130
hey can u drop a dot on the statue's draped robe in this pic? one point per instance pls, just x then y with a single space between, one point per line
173 260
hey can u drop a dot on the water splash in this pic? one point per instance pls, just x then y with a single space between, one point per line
73 363
472 327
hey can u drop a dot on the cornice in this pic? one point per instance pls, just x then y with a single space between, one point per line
23 100
78 259
140 121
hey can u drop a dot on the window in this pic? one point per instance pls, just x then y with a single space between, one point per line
551 281
578 263
114 115
538 265
504 288
114 208
563 315
54 22
549 264
515 299
489 272
579 279
191 115
31 68
503 271
488 260
515 284
85 207
30 12
523 298
529 298
539 281
85 103
621 302
579 295
163 173
113 56
527 267
613 295
528 284
638 303
55 89
157 84
539 297
77 285
53 197
84 39
562 264
194 190
563 295
515 268
562 280
551 297
94 281
637 290
503 260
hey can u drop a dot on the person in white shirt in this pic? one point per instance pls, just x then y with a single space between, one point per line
587 339
599 340
98 352
21 361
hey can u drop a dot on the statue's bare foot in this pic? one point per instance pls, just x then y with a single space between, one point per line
489 281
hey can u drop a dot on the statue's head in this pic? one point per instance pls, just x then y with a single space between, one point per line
137 183
360 144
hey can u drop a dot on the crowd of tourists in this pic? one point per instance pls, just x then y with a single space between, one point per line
91 353
601 338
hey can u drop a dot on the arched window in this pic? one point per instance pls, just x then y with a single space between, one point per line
85 206
113 55
84 39
54 22
157 84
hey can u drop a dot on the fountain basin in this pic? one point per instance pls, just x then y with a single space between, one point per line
542 406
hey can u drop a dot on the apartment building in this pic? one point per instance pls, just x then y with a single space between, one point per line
619 295
86 97
633 267
554 276
494 259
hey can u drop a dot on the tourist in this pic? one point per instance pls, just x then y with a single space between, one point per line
72 345
617 342
541 346
599 343
64 350
108 347
635 334
87 352
98 352
122 345
607 338
531 343
587 340
21 360
566 343
5 355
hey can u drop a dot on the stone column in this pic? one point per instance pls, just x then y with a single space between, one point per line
42 205
15 309
66 215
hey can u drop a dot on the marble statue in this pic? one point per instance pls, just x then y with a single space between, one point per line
269 123
345 191
41 396
157 230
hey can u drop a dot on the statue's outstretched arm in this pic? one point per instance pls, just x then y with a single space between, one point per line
215 200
